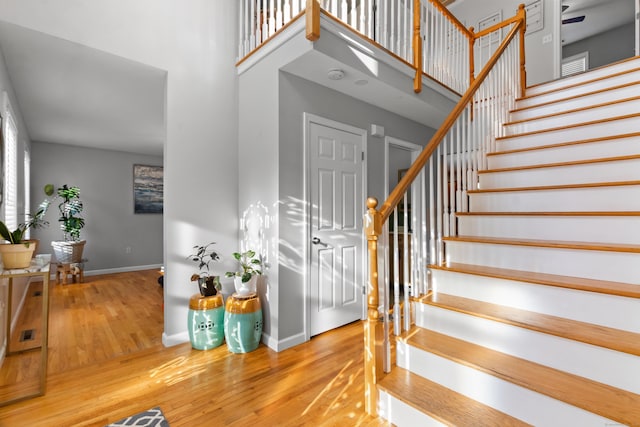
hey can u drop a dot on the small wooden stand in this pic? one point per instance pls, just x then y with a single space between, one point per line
75 269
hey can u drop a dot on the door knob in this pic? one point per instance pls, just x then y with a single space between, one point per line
315 240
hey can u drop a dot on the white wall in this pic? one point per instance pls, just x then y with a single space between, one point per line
24 142
105 179
195 42
542 58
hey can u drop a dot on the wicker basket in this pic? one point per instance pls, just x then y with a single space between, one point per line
68 252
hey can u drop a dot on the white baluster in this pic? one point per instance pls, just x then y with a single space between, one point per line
279 10
287 12
253 28
272 18
265 20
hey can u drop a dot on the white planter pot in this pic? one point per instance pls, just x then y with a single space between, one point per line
247 288
68 252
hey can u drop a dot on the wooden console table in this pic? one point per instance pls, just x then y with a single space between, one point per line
39 268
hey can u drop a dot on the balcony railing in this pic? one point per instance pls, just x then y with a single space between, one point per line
422 33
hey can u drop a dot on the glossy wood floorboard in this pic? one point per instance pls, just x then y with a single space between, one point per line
107 362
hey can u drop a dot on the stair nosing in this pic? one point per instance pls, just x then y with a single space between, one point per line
606 287
526 377
555 187
571 126
565 213
566 144
556 244
563 164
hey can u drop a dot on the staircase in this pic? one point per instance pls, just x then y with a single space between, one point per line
535 317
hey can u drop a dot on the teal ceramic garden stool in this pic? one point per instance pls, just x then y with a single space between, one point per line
243 323
206 321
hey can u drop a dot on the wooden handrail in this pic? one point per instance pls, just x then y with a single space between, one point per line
396 195
451 17
517 17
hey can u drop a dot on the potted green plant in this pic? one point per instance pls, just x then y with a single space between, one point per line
244 279
208 284
18 251
71 222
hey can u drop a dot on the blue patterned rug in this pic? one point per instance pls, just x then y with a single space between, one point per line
151 418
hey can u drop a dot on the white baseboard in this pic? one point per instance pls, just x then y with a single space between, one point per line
175 339
283 344
122 269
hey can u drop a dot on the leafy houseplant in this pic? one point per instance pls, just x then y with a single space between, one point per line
70 209
244 279
208 284
18 252
71 222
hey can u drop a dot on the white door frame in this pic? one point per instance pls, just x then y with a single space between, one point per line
309 118
637 27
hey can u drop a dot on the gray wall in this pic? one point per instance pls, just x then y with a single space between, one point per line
605 48
105 179
297 96
542 59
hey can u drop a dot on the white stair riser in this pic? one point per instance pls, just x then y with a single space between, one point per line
591 264
570 134
509 398
615 198
572 103
566 153
582 116
601 309
603 229
607 72
400 414
623 370
586 173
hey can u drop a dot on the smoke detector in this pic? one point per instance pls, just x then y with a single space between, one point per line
335 74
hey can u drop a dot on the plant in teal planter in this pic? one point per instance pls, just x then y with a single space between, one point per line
208 284
245 278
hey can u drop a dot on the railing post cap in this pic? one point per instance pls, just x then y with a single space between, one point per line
372 203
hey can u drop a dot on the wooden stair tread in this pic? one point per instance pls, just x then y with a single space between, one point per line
585 82
602 336
581 213
582 95
569 126
571 111
555 187
610 402
558 244
566 143
577 283
561 164
441 403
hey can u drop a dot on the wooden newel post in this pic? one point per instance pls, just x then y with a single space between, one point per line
523 71
373 329
417 47
312 17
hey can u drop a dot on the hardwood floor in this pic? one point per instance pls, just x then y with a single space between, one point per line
106 362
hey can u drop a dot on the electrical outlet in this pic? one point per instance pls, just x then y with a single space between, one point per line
547 39
127 250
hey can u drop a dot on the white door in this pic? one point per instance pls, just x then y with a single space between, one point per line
336 212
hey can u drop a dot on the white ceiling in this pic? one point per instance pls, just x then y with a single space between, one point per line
73 94
600 16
